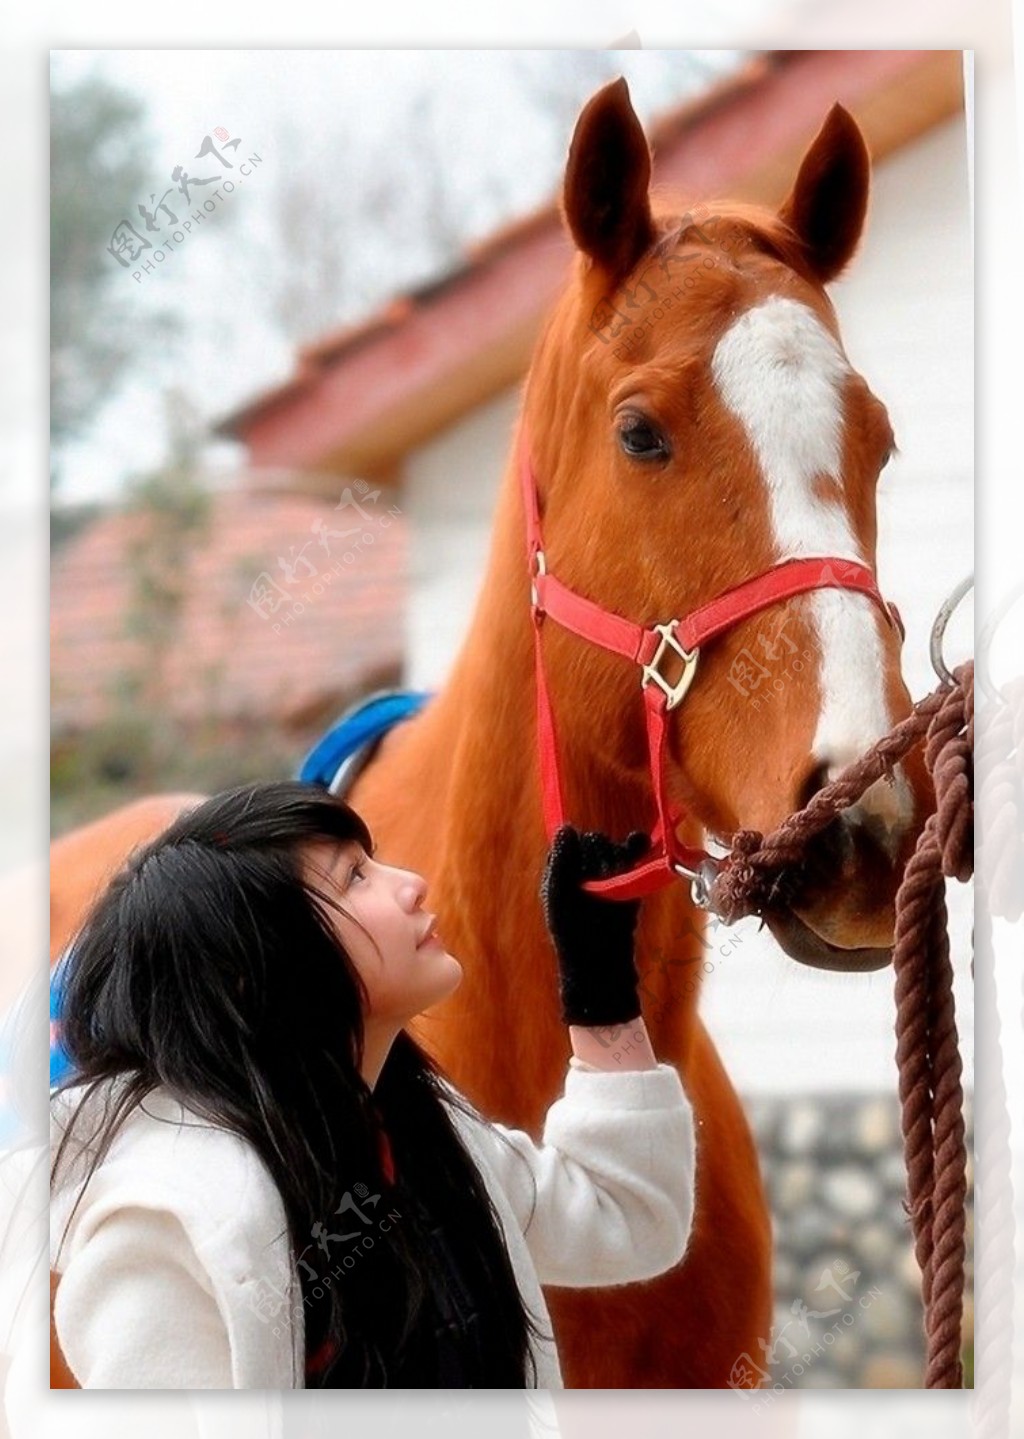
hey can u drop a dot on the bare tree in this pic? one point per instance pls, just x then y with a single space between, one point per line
385 199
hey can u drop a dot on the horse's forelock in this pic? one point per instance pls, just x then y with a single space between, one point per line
758 228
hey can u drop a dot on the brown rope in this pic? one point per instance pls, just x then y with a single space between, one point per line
759 874
927 1051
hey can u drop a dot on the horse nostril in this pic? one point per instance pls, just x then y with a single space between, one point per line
816 780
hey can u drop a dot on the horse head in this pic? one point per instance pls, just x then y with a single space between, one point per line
694 421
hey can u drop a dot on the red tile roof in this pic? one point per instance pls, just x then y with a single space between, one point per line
334 633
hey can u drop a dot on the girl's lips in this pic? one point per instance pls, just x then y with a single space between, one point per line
430 937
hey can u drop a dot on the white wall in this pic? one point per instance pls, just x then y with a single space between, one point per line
449 492
906 311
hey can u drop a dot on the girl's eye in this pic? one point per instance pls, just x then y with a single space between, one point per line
356 870
640 439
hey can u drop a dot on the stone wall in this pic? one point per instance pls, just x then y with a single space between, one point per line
847 1286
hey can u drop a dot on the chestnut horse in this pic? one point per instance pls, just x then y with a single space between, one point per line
693 420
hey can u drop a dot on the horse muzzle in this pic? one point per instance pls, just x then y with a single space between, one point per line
842 914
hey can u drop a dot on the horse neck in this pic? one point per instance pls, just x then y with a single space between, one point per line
489 702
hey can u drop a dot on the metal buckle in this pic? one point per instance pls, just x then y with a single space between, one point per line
703 877
674 693
541 568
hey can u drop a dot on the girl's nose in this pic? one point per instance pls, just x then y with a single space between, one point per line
415 886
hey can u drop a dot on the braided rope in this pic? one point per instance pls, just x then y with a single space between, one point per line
929 1066
761 871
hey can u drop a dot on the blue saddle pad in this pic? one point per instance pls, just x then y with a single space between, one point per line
60 1065
337 757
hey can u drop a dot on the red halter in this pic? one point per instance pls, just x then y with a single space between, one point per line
667 858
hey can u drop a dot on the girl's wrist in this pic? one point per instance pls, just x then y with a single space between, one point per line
614 1047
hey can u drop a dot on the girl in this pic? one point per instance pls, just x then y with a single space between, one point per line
260 1179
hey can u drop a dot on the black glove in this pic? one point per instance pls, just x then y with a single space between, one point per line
592 936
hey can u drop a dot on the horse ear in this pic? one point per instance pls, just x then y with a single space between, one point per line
604 198
829 199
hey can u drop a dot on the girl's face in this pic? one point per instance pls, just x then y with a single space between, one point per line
412 970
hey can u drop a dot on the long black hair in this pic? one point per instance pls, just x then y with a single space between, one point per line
210 967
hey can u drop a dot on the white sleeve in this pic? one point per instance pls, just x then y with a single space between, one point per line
133 1308
614 1177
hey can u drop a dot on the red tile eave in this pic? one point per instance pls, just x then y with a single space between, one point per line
319 351
767 109
343 398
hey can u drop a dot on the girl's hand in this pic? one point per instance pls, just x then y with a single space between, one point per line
592 937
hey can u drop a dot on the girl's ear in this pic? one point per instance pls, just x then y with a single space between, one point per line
829 199
605 202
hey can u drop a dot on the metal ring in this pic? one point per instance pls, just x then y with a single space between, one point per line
701 880
541 564
939 627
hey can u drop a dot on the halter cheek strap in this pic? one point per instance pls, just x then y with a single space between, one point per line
678 641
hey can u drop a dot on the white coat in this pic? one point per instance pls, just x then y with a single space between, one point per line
175 1269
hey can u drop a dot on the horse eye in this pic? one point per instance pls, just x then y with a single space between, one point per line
642 440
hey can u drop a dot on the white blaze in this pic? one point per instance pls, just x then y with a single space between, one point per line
781 373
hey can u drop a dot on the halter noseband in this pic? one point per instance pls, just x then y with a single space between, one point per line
668 858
